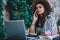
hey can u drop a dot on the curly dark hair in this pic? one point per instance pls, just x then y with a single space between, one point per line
44 3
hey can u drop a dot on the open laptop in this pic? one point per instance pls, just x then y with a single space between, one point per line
15 30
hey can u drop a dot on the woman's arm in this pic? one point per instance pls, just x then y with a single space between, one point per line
32 28
54 26
50 26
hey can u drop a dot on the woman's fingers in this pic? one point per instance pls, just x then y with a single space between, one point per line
35 17
33 34
36 14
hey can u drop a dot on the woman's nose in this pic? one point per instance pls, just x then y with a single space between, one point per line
38 9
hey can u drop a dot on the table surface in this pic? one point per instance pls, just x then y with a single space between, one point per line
36 38
42 37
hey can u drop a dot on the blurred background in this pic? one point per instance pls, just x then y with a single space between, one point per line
21 10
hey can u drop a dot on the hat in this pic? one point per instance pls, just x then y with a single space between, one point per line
47 5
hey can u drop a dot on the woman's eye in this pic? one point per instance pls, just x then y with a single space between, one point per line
40 7
36 8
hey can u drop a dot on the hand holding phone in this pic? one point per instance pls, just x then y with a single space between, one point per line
35 16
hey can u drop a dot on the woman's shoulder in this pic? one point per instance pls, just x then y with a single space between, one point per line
49 17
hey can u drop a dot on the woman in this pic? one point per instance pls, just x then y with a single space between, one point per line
42 20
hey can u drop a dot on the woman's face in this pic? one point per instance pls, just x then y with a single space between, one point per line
40 9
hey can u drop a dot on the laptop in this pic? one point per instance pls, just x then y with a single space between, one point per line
15 30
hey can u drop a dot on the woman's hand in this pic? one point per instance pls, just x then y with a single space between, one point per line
33 34
35 17
31 30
